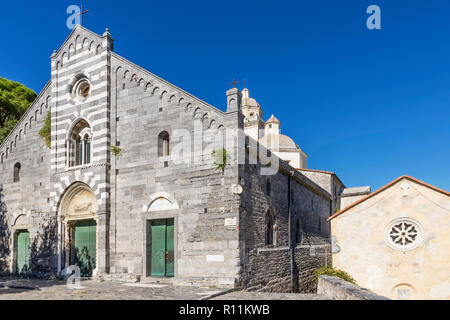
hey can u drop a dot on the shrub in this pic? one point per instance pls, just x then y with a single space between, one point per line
45 132
220 158
117 151
329 271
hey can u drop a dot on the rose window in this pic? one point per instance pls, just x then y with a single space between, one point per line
404 234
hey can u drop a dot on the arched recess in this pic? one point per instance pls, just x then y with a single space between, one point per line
78 209
160 201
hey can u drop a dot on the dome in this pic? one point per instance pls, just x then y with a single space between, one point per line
284 142
250 102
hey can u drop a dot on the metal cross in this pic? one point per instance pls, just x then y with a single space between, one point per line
234 83
81 14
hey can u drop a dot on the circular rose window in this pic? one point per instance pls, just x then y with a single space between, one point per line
404 234
81 89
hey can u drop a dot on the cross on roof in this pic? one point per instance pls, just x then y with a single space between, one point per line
81 14
234 83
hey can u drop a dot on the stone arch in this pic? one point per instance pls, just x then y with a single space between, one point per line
98 49
155 89
163 94
188 107
180 101
71 50
212 123
77 41
162 201
148 85
63 58
78 202
172 98
47 100
141 82
84 43
205 117
196 112
21 221
125 73
91 45
133 77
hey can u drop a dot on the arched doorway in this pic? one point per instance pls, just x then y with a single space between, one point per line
78 234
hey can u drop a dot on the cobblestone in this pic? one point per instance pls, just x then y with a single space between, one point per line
33 289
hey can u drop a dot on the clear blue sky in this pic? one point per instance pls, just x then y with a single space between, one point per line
370 105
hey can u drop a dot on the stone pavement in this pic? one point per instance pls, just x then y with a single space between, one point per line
34 289
244 295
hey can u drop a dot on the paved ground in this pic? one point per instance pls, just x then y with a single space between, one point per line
25 289
243 295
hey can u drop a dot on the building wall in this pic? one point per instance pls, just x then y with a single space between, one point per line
267 267
144 105
362 251
25 204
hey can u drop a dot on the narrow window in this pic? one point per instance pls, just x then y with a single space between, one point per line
79 152
17 168
87 149
163 144
269 228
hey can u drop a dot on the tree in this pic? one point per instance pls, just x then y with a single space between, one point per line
15 99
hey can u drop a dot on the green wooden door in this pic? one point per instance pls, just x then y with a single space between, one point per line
161 248
23 251
169 248
85 246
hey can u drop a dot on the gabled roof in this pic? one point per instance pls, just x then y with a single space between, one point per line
386 187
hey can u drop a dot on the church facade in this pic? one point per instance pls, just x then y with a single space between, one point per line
131 186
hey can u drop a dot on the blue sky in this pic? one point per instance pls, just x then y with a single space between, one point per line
369 105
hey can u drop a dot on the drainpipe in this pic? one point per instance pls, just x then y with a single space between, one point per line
291 242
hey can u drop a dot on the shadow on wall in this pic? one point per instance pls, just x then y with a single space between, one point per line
5 236
43 250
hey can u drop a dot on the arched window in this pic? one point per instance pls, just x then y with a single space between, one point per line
268 187
163 144
79 144
17 168
298 231
269 228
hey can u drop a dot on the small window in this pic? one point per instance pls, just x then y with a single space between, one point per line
269 228
17 168
163 144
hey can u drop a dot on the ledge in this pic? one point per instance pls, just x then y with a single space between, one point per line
340 289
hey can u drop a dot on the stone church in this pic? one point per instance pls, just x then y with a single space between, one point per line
131 188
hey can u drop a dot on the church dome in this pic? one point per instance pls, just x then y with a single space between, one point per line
270 140
250 102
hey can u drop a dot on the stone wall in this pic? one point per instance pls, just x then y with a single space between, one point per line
340 289
268 269
24 205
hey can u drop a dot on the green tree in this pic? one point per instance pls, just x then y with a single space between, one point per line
15 99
